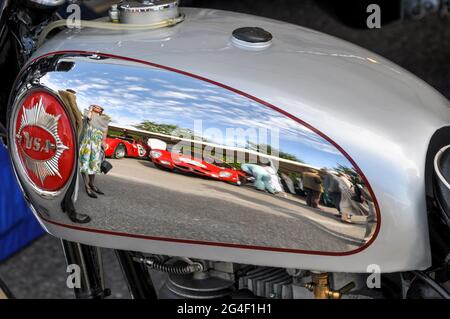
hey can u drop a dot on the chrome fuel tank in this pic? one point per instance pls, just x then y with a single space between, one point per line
230 137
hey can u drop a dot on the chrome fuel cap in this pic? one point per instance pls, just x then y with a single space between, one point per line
147 12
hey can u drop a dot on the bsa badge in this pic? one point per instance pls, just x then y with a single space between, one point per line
45 141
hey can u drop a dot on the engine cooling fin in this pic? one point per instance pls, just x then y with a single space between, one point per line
267 282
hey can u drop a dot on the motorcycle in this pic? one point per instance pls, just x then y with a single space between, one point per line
331 116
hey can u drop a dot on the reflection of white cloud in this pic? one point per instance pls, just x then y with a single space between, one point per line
92 86
119 119
137 88
166 97
189 90
100 81
156 80
174 95
132 78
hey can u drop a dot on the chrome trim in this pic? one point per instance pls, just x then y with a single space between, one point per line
147 12
48 3
146 6
437 170
142 200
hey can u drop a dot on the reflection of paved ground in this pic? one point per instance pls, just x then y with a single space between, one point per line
145 200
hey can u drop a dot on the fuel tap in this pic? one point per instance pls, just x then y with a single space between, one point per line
320 286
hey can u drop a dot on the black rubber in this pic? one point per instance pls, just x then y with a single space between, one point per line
252 35
117 147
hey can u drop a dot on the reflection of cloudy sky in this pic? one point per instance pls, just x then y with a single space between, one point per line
166 97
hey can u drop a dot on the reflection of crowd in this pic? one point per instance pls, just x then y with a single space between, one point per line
342 190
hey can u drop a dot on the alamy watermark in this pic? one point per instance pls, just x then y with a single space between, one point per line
73 20
253 145
374 279
74 277
373 21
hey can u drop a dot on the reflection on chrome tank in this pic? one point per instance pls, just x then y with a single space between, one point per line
190 160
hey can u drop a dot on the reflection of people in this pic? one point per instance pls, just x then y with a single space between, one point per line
312 184
351 204
67 204
69 98
274 179
346 203
91 153
263 180
331 186
287 182
299 187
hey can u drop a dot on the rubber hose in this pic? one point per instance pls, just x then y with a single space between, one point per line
107 26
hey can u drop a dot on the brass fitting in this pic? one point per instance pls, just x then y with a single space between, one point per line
320 286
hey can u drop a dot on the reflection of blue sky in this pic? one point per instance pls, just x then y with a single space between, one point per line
165 97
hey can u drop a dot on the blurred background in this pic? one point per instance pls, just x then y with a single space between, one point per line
415 37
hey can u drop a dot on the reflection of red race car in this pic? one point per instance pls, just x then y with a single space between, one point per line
119 147
179 162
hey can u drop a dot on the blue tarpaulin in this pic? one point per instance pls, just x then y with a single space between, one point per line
18 226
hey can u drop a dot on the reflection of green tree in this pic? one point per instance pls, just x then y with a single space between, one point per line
294 176
114 132
350 171
168 129
289 157
345 169
157 128
176 131
269 150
